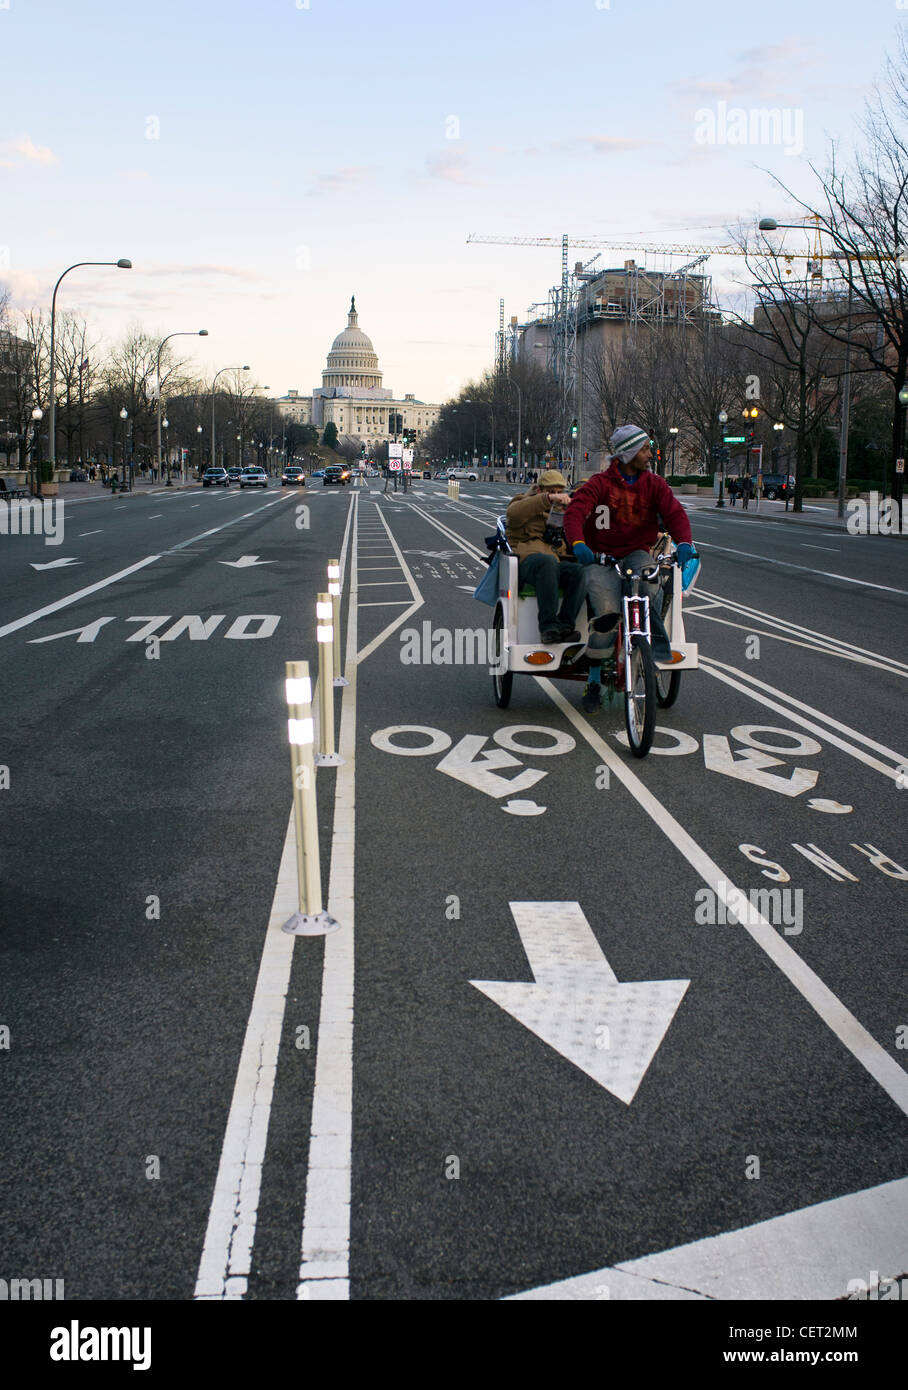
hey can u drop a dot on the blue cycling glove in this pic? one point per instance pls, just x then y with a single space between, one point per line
584 554
690 563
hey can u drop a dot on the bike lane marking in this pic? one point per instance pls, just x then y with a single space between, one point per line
852 1034
812 1253
226 1258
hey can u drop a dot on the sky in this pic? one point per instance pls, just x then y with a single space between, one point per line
261 162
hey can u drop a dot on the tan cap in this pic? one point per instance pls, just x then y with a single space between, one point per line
551 477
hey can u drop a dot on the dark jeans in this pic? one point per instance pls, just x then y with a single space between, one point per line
545 573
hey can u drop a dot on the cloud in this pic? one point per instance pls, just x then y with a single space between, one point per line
450 165
38 154
231 271
600 144
338 179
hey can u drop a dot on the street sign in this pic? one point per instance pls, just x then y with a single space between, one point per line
394 465
408 466
395 450
407 456
900 465
733 439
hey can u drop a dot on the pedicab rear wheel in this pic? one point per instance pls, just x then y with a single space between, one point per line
502 680
668 683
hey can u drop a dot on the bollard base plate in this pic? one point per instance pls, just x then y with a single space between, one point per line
328 760
310 924
340 680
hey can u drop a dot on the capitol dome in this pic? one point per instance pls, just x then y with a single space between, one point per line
352 360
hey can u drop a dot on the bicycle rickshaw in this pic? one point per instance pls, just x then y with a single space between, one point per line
517 648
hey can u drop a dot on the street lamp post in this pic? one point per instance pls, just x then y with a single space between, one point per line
213 398
673 431
37 416
197 333
723 420
198 430
124 416
121 264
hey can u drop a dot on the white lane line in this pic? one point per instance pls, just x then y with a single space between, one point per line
155 515
417 603
324 1272
383 584
194 505
744 685
226 1258
807 569
74 598
831 549
851 1034
181 545
815 1253
391 603
837 645
90 533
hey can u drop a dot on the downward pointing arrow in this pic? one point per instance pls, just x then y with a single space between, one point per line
56 564
244 562
576 1005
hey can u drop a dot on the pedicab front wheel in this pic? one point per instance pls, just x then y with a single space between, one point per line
502 679
640 700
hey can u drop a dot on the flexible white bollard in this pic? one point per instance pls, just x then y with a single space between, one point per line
324 632
311 918
334 592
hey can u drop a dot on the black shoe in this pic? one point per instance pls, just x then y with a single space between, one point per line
571 634
551 636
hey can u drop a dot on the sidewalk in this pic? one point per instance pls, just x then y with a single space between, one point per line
144 486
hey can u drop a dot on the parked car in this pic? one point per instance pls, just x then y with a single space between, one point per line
464 474
441 473
775 485
336 473
293 475
253 477
215 477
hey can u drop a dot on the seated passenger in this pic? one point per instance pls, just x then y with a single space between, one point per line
534 525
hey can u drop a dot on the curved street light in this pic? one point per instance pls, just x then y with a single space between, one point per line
121 264
192 333
213 385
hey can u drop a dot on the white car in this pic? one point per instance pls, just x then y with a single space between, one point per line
464 474
253 477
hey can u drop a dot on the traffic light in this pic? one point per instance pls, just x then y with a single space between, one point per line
586 456
574 430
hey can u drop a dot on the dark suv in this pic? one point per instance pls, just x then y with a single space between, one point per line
775 485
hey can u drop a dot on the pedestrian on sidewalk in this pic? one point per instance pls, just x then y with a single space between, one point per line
747 490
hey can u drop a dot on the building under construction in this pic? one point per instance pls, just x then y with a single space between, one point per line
592 313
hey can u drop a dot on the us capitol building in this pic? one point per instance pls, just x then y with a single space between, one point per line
352 395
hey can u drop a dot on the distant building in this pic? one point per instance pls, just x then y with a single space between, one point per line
353 398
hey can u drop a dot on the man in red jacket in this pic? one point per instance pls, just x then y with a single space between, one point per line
618 512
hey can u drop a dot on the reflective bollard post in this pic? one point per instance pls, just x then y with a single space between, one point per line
326 756
311 918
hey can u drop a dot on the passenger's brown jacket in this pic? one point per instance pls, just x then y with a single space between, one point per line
526 518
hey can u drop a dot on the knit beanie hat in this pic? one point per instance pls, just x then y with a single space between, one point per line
627 441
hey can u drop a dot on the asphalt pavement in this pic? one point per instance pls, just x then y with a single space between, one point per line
541 1057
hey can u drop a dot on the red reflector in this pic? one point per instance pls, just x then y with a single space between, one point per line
540 658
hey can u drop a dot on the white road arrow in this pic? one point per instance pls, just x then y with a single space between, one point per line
467 762
747 767
245 561
576 1005
56 564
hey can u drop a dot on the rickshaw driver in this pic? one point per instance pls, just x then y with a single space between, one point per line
617 512
534 521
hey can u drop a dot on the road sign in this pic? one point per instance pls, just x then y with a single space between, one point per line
733 439
900 465
395 450
394 465
408 456
408 466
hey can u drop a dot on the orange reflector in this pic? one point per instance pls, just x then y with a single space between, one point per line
677 656
540 658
